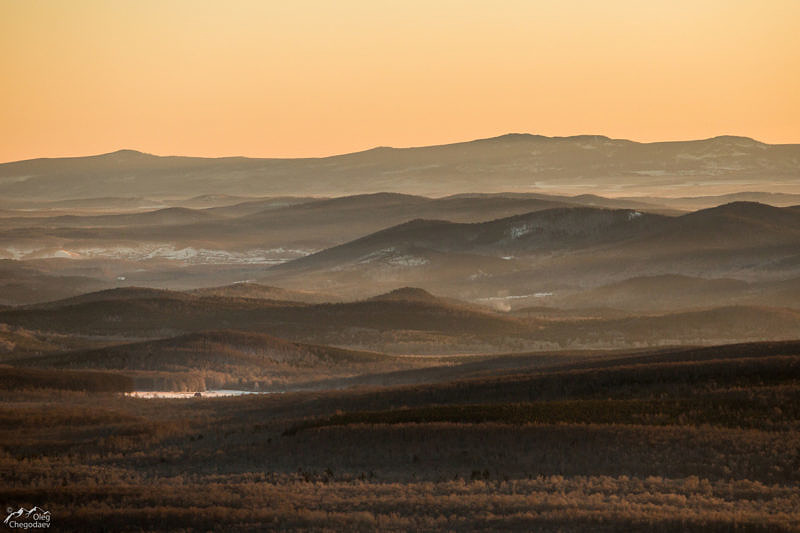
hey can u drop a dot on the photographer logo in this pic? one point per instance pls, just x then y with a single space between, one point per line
34 518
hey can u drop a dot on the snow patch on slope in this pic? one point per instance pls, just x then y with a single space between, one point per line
145 252
390 256
518 231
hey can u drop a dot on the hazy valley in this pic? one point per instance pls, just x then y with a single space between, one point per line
513 333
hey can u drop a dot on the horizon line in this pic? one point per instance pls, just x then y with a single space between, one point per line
379 147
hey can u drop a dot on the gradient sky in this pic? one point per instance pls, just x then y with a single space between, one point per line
309 78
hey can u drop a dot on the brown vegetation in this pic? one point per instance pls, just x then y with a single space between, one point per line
224 359
671 440
23 379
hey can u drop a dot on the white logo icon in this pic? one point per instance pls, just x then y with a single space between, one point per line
36 517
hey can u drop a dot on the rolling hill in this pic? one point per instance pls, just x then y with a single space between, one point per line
16 343
508 163
405 321
160 217
735 225
672 292
275 229
148 313
22 283
540 231
558 252
112 295
693 203
659 292
219 359
644 373
250 289
718 325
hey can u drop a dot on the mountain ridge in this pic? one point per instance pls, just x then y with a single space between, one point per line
513 162
511 136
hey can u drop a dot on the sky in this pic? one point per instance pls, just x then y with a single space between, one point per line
308 78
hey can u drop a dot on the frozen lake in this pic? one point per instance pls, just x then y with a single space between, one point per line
219 393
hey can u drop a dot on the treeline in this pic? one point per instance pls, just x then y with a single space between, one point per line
22 379
546 503
656 380
726 410
170 381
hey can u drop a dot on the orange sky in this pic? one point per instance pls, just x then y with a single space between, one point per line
307 78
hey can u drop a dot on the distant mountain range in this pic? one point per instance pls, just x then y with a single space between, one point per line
514 162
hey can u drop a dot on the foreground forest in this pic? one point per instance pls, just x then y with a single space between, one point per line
667 440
